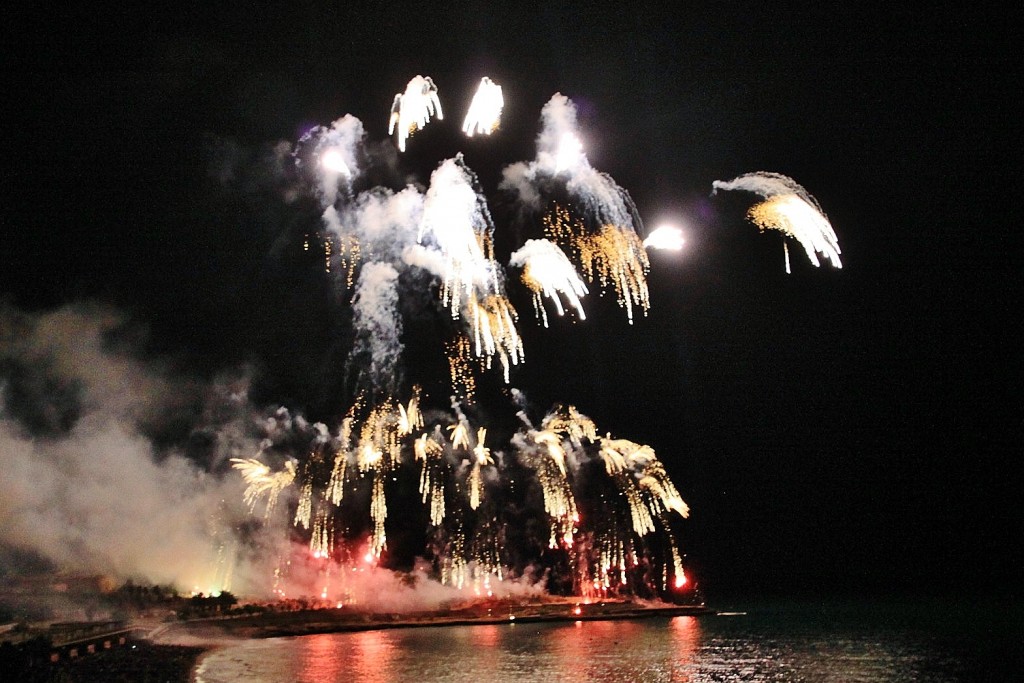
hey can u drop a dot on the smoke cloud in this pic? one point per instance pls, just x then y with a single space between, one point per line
87 484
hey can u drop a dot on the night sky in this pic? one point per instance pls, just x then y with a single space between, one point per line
838 430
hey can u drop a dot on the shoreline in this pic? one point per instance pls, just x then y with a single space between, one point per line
342 620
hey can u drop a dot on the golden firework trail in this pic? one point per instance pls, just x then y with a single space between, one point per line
547 458
336 483
572 424
305 507
790 209
410 418
492 321
613 256
262 481
432 475
481 458
650 473
459 353
484 113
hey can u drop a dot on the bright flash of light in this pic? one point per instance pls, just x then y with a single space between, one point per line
412 109
665 237
570 152
262 481
333 160
485 110
456 221
547 272
791 210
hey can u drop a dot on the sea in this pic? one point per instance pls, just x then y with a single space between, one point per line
845 641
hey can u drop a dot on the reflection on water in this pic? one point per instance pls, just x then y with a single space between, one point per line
803 643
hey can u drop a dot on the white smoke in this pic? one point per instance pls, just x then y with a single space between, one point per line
83 485
335 154
385 222
561 159
377 322
764 183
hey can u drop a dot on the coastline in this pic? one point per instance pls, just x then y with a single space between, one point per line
314 621
191 641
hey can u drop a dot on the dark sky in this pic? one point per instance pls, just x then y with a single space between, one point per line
836 429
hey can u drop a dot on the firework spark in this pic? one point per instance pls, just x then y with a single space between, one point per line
494 332
790 209
443 236
262 481
485 110
432 475
412 109
548 272
611 256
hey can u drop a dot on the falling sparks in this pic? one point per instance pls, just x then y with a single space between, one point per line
572 424
412 109
484 113
793 216
617 257
432 476
459 353
456 465
494 332
547 272
262 481
608 505
790 209
613 257
481 458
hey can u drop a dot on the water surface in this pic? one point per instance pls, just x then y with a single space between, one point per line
807 641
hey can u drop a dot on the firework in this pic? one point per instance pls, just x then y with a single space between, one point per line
572 424
547 272
485 110
610 257
459 354
262 481
432 476
602 505
790 209
494 332
412 109
481 458
665 237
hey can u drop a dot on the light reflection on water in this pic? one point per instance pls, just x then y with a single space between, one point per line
780 645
